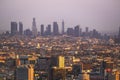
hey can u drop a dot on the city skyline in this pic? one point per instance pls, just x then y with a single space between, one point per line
54 29
95 14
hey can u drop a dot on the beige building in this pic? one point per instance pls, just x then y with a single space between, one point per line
61 61
84 76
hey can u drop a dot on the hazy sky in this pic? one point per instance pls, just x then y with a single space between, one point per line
104 15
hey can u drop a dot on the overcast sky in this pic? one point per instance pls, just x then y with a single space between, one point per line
103 15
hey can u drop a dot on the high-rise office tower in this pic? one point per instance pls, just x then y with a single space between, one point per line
24 72
57 66
20 28
42 30
57 61
70 31
48 30
55 28
28 32
95 33
80 31
13 28
63 24
119 33
76 31
86 29
34 28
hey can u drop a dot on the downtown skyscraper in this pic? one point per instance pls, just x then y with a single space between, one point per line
119 33
55 28
34 28
42 30
76 31
48 30
13 28
63 24
20 28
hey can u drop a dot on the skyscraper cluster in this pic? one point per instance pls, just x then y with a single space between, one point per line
54 30
77 32
47 31
14 28
34 31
